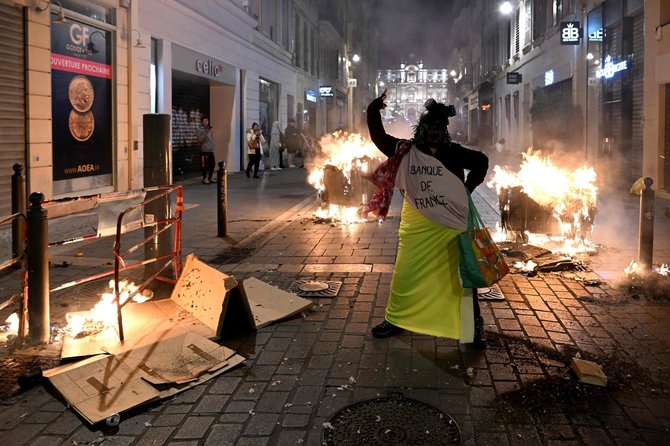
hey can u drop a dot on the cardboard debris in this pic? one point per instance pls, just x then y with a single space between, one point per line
173 361
138 320
270 304
229 307
588 372
166 349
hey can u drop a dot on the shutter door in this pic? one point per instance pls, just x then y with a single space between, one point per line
666 176
12 98
637 112
190 102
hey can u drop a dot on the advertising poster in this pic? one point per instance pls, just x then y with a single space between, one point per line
81 80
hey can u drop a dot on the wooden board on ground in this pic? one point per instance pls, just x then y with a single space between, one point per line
588 372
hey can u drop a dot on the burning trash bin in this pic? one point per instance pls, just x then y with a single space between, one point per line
542 198
338 175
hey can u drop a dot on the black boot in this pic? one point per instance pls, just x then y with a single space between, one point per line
385 330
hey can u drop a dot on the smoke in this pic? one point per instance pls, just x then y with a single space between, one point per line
416 30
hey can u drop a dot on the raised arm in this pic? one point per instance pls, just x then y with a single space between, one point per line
384 142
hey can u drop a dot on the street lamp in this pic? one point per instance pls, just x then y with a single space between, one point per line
60 20
351 83
506 7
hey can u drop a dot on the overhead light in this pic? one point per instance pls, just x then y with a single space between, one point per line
138 43
355 58
506 7
60 19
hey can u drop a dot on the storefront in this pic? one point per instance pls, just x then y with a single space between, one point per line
615 86
268 105
201 86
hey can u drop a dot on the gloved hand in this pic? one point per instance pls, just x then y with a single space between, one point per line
378 103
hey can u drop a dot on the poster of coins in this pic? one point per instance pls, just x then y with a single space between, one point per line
81 80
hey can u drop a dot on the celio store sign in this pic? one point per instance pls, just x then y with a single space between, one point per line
208 66
192 62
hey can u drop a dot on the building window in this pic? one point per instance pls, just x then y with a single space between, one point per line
527 23
539 18
666 176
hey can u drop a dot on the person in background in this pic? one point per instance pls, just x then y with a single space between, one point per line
206 141
255 141
426 292
275 143
293 139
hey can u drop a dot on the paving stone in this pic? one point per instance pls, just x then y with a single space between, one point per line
223 435
194 427
155 436
46 441
261 424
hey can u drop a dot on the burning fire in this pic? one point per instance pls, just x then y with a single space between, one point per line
12 323
103 314
569 195
635 269
337 175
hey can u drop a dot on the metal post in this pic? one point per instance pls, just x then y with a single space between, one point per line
18 206
38 271
222 200
645 253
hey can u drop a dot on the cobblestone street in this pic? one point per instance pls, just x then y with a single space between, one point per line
302 371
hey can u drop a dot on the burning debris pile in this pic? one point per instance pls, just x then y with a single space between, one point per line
651 282
337 174
103 315
546 205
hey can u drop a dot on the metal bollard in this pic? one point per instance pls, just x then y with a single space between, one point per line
222 200
38 271
645 252
18 206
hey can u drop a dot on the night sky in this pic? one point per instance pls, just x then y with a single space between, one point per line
418 27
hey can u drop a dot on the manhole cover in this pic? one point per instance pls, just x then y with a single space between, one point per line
391 421
491 293
313 288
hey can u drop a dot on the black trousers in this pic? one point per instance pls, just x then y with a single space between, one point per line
255 161
207 165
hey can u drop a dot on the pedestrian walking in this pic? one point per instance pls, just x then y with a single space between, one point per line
293 139
255 141
205 138
426 292
275 144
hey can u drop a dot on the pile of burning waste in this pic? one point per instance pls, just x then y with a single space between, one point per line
653 282
337 173
547 212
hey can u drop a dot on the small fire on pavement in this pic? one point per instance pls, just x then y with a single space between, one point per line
103 314
337 174
547 205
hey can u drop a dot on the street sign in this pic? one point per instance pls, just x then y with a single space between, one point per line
351 83
514 77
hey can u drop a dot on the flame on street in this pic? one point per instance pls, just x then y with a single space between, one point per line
103 314
336 173
570 196
12 323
